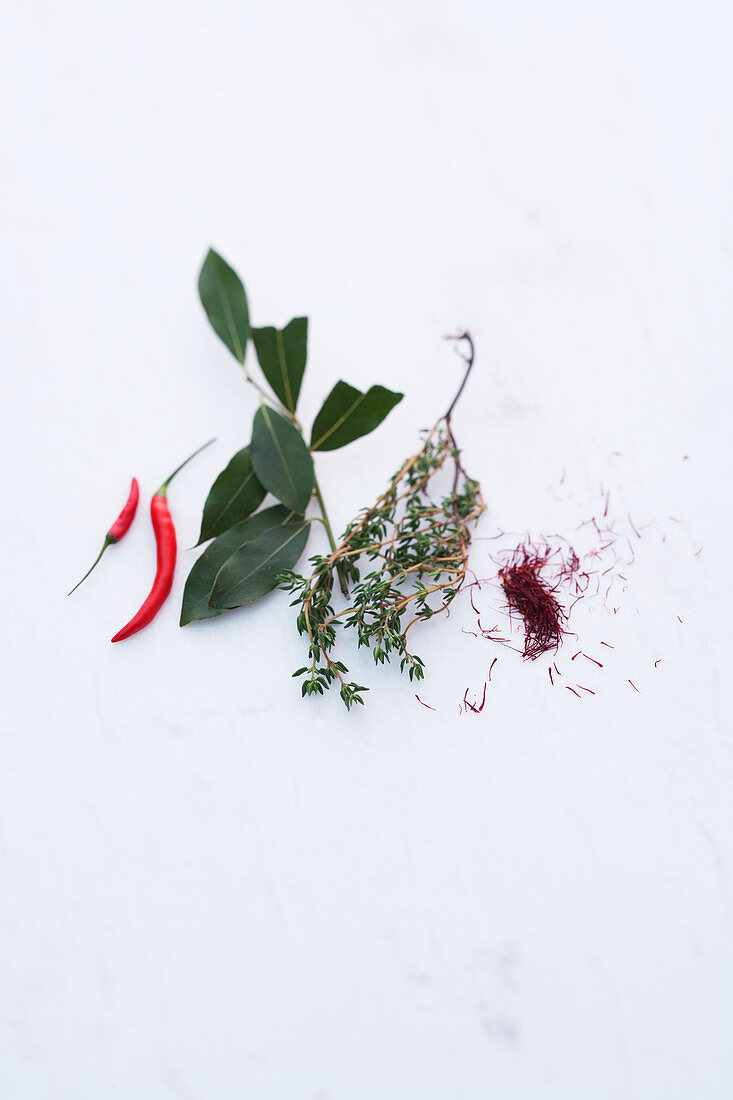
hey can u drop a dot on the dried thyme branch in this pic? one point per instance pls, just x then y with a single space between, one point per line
420 547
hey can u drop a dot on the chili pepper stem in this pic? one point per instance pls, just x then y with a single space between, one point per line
164 487
107 542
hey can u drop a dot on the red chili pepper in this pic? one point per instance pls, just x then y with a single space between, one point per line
165 541
119 527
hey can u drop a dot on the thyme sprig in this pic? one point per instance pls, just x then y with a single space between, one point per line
417 542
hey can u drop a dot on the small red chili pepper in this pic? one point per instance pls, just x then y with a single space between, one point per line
165 541
119 527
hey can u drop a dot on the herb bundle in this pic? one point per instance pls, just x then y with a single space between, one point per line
399 562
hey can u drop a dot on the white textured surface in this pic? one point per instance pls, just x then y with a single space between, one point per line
209 889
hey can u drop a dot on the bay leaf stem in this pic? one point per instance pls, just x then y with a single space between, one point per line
329 533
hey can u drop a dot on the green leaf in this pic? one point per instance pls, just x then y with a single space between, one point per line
200 583
224 299
347 414
235 494
282 354
252 569
281 460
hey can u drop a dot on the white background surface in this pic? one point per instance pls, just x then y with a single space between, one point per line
209 889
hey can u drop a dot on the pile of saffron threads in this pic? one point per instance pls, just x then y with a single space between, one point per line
531 596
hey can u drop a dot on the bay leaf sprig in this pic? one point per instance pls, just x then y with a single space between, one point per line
411 545
253 545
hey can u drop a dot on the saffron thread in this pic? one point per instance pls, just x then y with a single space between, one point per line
470 706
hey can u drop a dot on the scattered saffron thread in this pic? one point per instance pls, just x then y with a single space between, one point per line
576 655
595 662
470 706
572 689
634 686
492 667
657 662
633 528
423 704
586 689
606 643
550 675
